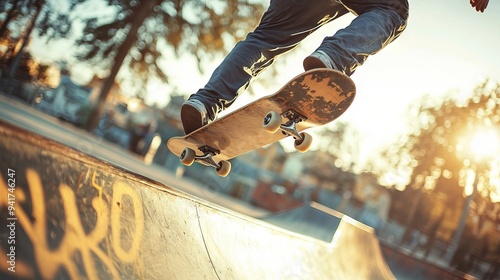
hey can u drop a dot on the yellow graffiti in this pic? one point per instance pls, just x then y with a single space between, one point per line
75 239
116 211
95 185
119 191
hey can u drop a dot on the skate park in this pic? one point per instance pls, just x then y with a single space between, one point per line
80 216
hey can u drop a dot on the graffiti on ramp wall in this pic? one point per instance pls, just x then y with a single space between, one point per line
66 220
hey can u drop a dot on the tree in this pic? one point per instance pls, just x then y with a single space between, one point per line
432 149
29 16
140 31
9 8
25 38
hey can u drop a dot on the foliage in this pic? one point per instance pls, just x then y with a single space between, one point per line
438 167
20 19
29 70
138 33
199 28
431 149
51 22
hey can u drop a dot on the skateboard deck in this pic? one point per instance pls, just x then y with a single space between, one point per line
313 98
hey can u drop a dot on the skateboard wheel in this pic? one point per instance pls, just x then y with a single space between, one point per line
187 156
224 168
302 145
272 122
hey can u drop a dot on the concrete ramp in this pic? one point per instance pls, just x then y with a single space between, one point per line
65 215
353 247
311 219
260 251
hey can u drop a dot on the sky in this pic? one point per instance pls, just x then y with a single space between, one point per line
446 47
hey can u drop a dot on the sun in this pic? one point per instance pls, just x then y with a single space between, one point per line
479 145
479 148
484 144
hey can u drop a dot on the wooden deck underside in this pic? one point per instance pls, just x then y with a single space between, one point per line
321 95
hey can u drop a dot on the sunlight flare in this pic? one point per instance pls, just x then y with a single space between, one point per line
484 144
480 145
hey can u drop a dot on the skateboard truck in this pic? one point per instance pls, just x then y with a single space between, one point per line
188 156
290 127
273 122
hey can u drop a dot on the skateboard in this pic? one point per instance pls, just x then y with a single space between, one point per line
313 98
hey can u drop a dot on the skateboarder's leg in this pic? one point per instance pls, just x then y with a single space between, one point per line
379 23
283 26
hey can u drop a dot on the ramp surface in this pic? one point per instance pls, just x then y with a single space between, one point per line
311 219
73 216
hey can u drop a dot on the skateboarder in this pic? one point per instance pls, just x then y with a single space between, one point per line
282 27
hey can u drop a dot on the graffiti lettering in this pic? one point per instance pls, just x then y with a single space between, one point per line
97 243
120 190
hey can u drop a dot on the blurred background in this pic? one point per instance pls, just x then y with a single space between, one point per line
416 157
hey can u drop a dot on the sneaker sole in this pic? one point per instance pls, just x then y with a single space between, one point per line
311 62
191 119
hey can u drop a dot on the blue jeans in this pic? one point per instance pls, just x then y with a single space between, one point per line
286 23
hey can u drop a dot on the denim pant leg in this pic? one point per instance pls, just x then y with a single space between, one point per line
282 27
379 23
